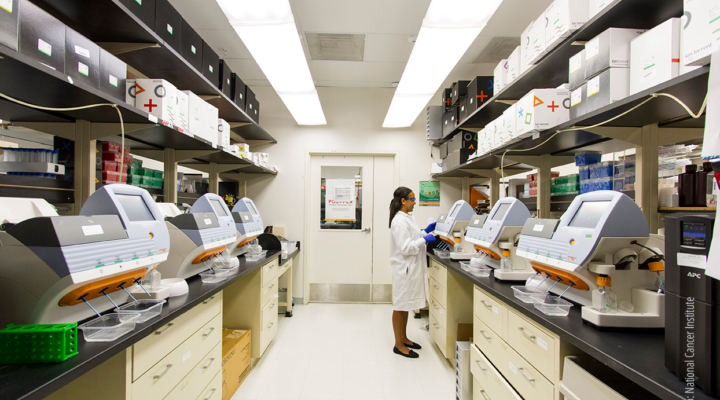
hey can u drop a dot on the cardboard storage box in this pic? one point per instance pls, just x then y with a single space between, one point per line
42 37
459 91
238 90
501 75
510 120
450 121
578 102
182 111
480 90
576 71
211 65
223 133
699 38
144 10
113 74
595 6
168 24
225 79
82 58
513 66
192 46
610 86
655 56
610 49
235 360
196 114
157 97
563 18
462 141
9 24
542 109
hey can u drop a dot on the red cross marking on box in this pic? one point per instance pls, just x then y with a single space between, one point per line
150 105
553 106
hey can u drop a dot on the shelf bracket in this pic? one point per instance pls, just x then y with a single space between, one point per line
238 124
116 48
170 173
65 130
207 97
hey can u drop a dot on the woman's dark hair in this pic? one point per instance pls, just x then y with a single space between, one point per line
396 204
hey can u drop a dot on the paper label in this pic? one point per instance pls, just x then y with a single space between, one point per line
541 343
691 260
538 228
210 68
576 97
82 51
186 356
593 86
6 5
83 69
152 118
649 69
139 1
45 47
169 29
592 48
477 222
247 218
113 80
496 310
207 221
193 49
512 368
90 230
575 63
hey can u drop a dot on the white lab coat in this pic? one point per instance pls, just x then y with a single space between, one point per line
409 263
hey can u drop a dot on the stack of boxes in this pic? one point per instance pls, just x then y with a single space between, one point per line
458 150
144 177
565 185
108 160
531 186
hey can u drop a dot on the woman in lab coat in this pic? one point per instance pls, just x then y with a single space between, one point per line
408 262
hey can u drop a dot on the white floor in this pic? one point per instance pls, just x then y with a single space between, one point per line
344 351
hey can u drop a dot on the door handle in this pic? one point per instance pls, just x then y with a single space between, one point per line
486 304
211 394
482 392
208 364
488 338
206 334
366 230
168 327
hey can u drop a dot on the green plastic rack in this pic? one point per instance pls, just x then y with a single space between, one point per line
26 344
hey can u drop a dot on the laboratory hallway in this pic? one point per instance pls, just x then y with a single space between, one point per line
344 351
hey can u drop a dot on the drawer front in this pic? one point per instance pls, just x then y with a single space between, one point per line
282 269
490 311
438 333
159 380
197 380
269 324
488 341
478 392
153 348
438 292
269 292
438 272
269 271
489 379
213 391
530 383
438 312
534 344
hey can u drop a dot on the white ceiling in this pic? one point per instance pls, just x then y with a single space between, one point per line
387 25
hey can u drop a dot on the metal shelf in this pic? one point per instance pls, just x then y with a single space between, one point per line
686 209
53 190
511 167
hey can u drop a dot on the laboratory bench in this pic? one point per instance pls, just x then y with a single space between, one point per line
37 381
637 355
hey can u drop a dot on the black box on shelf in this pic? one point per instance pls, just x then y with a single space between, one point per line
254 110
480 90
112 76
226 79
210 65
42 37
444 150
450 121
168 24
9 24
249 98
238 90
462 110
192 46
82 58
459 91
447 98
463 141
143 9
456 158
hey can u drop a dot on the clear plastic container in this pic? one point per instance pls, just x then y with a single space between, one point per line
109 327
231 270
217 276
481 272
526 294
465 265
552 306
145 309
255 256
442 253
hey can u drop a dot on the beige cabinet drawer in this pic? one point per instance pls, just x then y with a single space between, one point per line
488 341
147 352
159 380
269 292
269 324
197 380
438 312
490 311
478 392
269 271
438 272
489 379
439 292
530 383
438 333
213 391
283 268
534 344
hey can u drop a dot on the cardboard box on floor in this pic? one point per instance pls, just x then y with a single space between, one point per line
464 332
236 360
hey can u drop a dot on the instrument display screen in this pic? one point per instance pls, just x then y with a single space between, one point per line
135 207
589 214
219 209
500 213
693 231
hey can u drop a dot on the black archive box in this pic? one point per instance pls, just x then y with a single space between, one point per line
143 9
254 110
447 98
113 73
9 24
480 90
210 65
192 46
450 121
459 91
249 99
462 113
168 24
225 79
238 90
463 141
82 58
42 37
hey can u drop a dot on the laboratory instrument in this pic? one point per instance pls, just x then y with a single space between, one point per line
450 229
248 223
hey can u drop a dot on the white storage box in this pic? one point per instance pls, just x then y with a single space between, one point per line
610 49
491 136
513 66
481 142
533 43
182 110
196 114
610 86
655 56
130 91
683 69
223 133
595 6
243 147
578 102
509 119
563 18
501 76
158 97
211 123
542 109
700 36
576 71
501 137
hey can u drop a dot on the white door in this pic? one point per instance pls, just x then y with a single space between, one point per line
347 258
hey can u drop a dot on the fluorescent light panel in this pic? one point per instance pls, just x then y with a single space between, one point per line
268 30
449 28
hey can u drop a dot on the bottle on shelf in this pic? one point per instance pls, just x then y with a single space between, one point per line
701 185
686 186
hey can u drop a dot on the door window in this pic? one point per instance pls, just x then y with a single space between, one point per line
341 198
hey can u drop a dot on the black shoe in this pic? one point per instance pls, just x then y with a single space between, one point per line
411 354
413 346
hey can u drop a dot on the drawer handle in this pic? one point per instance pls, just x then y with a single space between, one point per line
436 326
270 325
272 286
481 368
211 394
208 364
488 338
530 337
166 328
486 304
435 305
167 368
206 334
272 306
482 392
208 300
436 287
525 376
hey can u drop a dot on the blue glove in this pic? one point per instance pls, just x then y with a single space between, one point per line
430 238
430 227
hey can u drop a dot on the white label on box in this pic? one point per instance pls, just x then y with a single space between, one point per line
575 63
186 356
576 97
113 80
538 228
83 69
45 47
169 29
152 118
691 260
82 51
593 86
207 221
6 5
90 230
496 310
247 218
592 48
541 343
211 68
139 1
649 69
193 49
512 368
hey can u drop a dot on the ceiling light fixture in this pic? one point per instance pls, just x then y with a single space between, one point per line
448 29
268 30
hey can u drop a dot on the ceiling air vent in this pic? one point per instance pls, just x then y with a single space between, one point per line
336 46
498 49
